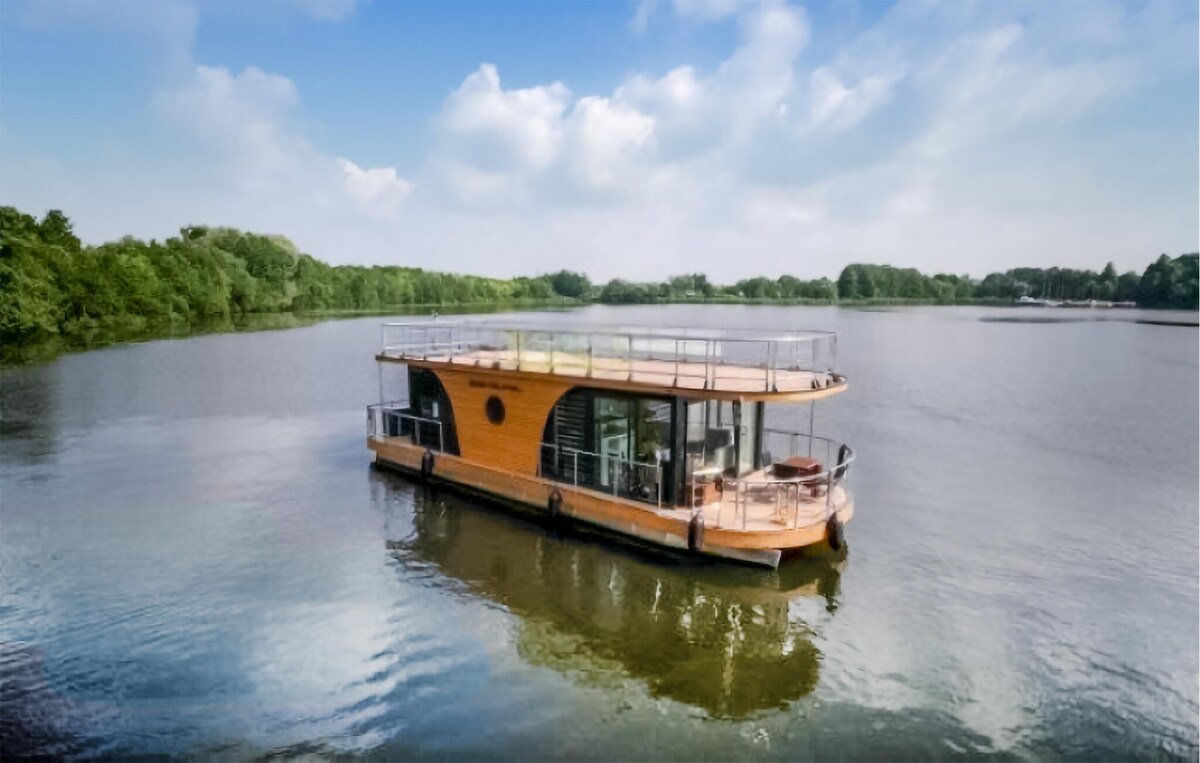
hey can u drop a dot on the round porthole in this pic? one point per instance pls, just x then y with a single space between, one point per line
495 410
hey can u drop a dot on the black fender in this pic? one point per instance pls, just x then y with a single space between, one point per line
835 536
427 464
695 533
843 459
554 503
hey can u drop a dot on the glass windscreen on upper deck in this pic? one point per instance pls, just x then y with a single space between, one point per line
729 360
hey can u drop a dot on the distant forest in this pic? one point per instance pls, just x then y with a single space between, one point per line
51 284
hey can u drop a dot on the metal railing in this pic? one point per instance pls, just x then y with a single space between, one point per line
394 420
620 476
781 444
786 493
697 357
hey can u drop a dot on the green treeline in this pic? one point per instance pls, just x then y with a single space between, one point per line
50 284
1167 283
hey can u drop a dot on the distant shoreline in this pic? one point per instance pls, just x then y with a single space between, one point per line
56 292
131 330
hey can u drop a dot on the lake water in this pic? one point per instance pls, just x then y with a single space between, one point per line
196 559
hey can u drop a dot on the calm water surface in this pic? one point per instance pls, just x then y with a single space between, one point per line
196 560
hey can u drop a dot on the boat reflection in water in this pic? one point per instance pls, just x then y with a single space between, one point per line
722 638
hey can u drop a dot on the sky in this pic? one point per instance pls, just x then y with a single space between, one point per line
636 139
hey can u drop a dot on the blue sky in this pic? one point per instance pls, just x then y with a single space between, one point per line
636 139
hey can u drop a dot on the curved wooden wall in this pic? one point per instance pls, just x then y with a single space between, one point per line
513 445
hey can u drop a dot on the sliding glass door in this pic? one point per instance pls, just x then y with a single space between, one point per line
632 438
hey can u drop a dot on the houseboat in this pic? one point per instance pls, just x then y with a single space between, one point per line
690 439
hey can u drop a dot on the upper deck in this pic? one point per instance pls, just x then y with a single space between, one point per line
690 362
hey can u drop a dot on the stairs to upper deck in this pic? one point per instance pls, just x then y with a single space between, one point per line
569 431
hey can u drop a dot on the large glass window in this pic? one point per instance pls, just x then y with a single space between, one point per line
620 444
611 437
720 438
710 436
748 439
632 437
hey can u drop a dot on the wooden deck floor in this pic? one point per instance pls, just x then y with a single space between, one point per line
723 377
767 508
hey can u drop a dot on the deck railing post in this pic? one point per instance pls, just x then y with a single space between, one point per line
589 357
576 468
774 370
829 495
767 367
518 333
796 511
739 503
812 413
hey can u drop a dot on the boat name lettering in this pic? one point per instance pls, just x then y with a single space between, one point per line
495 385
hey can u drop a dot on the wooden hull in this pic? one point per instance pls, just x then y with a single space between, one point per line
666 527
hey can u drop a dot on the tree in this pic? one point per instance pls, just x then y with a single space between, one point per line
847 283
568 284
1106 284
56 230
995 286
1170 283
1127 287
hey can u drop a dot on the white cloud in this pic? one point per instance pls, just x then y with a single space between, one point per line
246 114
379 189
677 90
708 10
508 146
838 106
753 83
479 188
699 10
773 210
248 120
542 145
604 140
169 25
696 112
641 16
505 129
